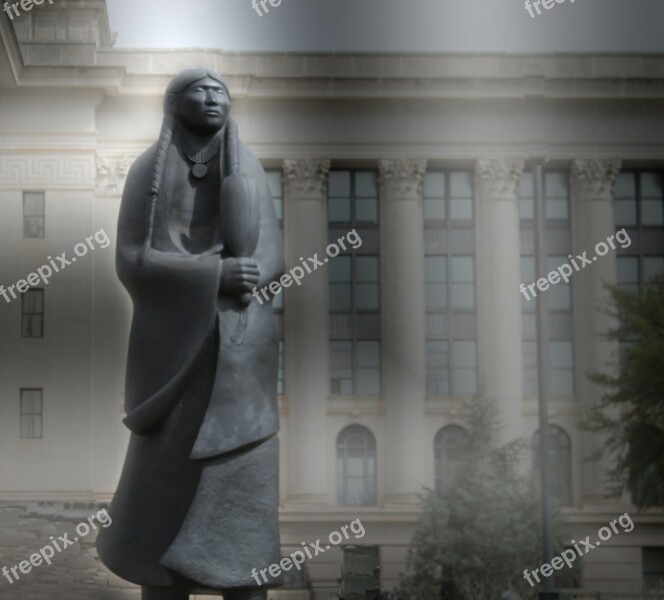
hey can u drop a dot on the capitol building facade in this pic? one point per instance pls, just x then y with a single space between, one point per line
428 158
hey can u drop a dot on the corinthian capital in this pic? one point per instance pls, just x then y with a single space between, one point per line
594 178
305 177
498 178
402 178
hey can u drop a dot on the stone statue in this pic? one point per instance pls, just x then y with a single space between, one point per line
196 507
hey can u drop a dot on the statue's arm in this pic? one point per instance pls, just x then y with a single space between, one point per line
153 267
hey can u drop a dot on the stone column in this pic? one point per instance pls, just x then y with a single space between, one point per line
593 221
306 320
403 321
498 299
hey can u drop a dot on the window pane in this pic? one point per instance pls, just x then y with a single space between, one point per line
434 185
463 270
435 268
33 204
435 276
625 212
556 195
434 210
31 413
339 184
341 297
461 185
367 268
530 368
341 367
651 185
365 184
625 186
627 268
560 295
652 265
526 201
652 212
556 209
341 269
33 227
561 361
368 354
555 185
33 302
368 382
461 210
464 367
437 367
464 354
366 210
339 210
367 296
463 276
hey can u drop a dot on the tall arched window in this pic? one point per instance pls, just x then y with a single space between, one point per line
449 447
356 466
560 463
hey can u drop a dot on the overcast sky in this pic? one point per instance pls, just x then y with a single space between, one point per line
391 25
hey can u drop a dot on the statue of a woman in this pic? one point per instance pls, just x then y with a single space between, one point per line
197 504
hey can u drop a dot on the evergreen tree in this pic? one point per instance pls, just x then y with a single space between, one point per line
475 539
631 412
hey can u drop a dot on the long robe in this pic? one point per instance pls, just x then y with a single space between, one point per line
196 505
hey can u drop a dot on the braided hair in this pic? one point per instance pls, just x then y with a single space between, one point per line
177 86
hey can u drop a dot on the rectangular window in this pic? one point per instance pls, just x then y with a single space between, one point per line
652 204
33 214
625 200
434 197
462 282
355 367
438 368
353 198
560 294
639 199
464 374
31 413
561 363
354 283
530 378
556 196
627 268
448 195
435 267
454 373
32 314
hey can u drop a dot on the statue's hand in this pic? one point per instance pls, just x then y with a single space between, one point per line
238 275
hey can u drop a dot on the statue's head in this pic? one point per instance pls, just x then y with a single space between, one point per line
199 100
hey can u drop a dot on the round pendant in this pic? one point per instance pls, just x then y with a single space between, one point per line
199 170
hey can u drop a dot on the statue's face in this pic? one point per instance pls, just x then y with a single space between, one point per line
204 106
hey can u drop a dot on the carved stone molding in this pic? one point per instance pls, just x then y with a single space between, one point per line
111 173
594 178
498 178
47 172
305 178
401 178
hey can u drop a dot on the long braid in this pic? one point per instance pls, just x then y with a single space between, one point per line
161 154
